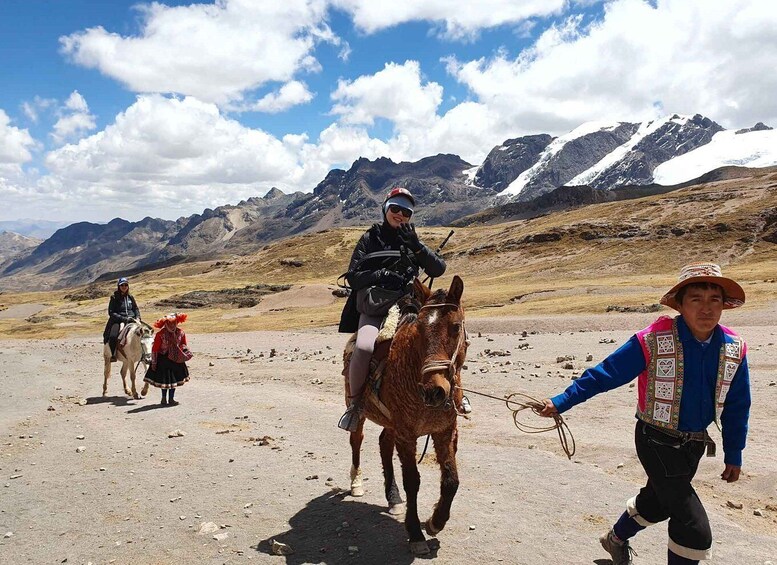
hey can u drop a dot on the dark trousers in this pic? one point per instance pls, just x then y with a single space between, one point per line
111 335
670 466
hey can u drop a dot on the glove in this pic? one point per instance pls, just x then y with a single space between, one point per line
410 238
390 280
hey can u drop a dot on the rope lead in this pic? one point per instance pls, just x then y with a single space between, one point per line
531 403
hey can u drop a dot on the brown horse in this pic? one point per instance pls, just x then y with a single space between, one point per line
420 394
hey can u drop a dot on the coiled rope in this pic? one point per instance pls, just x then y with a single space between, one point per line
516 406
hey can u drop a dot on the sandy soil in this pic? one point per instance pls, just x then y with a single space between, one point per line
21 311
262 458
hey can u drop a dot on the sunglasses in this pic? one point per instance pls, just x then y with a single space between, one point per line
396 209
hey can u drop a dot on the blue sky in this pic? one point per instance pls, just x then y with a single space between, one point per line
132 109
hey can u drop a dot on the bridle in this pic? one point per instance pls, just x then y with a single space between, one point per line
447 365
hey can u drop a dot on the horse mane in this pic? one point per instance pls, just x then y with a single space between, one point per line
438 297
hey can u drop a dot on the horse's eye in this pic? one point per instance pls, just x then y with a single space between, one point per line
455 328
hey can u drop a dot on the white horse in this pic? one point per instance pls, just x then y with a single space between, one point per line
137 349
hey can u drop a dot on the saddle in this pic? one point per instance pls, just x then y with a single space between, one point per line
371 391
121 339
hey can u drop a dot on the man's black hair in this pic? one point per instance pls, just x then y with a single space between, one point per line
680 294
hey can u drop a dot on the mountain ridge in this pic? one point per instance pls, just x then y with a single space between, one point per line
616 160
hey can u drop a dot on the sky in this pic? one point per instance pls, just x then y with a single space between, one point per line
134 109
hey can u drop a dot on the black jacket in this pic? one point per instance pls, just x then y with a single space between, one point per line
122 307
363 274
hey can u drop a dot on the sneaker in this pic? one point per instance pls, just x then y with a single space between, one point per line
350 420
466 407
620 551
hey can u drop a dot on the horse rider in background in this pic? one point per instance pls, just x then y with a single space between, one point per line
122 309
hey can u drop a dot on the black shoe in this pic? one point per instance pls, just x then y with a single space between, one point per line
113 358
173 403
164 402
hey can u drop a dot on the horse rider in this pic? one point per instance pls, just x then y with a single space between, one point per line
691 371
374 272
122 309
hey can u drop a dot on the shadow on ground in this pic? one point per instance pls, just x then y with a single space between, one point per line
318 534
115 400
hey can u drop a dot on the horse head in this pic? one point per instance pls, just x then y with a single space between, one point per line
146 335
442 340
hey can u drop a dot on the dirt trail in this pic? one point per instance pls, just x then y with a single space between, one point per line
262 459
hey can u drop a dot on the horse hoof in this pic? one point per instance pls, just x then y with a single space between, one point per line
357 490
430 529
397 509
419 548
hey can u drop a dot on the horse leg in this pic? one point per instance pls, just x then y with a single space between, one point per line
106 368
357 487
445 445
395 502
123 372
144 391
135 394
411 480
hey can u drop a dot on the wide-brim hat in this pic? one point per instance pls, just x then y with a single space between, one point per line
706 273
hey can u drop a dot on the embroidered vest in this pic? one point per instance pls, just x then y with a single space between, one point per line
660 386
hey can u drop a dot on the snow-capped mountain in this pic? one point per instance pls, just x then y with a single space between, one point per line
605 155
754 147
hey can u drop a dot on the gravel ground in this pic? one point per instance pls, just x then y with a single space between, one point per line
90 479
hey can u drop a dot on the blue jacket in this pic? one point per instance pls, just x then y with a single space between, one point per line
697 406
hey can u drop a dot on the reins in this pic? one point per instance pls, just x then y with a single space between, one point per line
511 401
531 403
447 365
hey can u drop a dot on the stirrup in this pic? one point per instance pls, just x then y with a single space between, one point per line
350 420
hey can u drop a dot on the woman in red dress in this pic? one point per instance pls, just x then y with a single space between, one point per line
169 355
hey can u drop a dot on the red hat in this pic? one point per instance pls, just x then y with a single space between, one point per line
177 317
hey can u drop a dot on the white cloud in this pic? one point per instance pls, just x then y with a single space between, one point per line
216 52
74 119
164 157
394 93
15 145
459 19
32 109
289 95
686 57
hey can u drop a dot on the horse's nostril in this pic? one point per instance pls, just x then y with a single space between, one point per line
436 396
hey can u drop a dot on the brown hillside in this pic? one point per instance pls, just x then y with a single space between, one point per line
580 261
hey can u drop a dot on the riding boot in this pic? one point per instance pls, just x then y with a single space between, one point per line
112 342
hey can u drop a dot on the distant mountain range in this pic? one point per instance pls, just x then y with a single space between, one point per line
519 178
38 229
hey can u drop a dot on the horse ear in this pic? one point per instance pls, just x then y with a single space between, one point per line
456 290
421 291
